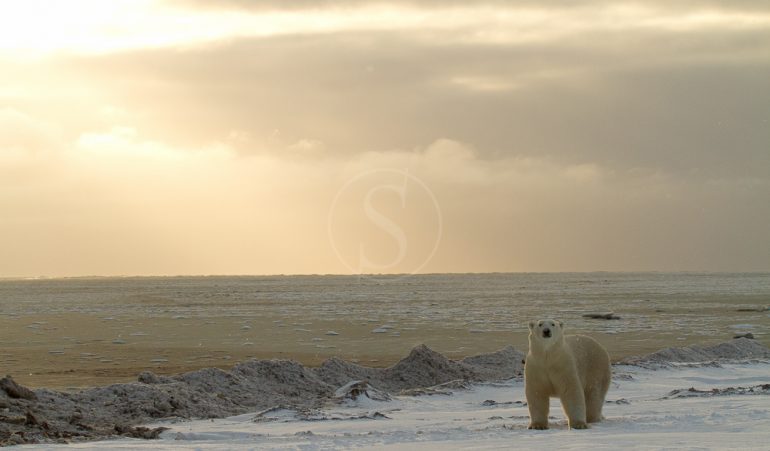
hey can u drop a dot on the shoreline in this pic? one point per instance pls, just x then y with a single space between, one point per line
78 350
101 363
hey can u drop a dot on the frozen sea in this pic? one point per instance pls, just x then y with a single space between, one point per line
93 331
690 302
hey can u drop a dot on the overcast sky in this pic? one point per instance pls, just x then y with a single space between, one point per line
240 137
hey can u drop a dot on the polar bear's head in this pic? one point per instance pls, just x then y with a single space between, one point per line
545 331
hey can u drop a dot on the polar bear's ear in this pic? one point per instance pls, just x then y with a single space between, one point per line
531 324
561 324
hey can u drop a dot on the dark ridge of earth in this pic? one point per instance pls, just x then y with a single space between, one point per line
49 416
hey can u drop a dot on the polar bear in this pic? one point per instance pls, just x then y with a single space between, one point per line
574 368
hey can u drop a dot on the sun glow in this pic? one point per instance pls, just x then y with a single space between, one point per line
37 28
208 136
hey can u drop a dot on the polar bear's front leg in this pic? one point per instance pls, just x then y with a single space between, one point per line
538 404
574 404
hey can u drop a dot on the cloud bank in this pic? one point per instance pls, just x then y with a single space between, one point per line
194 137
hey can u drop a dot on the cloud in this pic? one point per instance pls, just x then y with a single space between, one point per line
120 25
19 131
433 4
635 99
551 136
114 202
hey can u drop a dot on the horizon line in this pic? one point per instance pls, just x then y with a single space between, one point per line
179 276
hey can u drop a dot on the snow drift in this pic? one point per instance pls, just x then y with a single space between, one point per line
28 416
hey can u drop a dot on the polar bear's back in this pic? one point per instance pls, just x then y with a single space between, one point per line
591 359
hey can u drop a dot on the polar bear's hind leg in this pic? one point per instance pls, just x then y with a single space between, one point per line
595 401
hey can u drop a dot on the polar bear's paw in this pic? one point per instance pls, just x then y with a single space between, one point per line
538 426
578 425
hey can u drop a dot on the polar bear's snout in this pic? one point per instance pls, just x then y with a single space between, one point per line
546 333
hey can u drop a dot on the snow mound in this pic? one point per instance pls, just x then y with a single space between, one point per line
43 415
740 349
424 368
338 372
506 363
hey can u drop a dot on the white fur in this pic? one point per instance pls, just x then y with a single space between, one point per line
574 368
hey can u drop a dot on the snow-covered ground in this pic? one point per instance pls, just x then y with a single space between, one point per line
642 412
